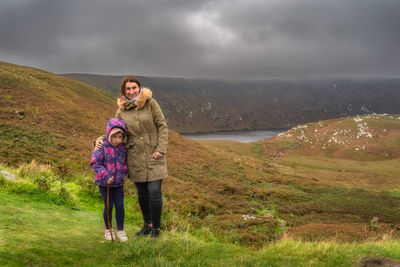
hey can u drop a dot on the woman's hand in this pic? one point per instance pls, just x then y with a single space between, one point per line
99 144
157 155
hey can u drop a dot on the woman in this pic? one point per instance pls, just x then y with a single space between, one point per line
146 146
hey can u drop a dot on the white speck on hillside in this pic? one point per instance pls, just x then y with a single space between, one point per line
337 141
300 127
341 132
357 148
284 135
363 130
248 217
372 116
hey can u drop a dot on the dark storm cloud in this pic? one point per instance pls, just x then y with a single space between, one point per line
265 38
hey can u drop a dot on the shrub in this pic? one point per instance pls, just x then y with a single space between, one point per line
43 180
86 182
32 168
130 188
62 169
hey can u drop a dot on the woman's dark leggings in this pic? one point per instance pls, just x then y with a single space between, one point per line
150 202
116 198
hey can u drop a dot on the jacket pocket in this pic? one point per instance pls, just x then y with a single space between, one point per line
134 159
157 164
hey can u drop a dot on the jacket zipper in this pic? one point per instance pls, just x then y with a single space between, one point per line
146 154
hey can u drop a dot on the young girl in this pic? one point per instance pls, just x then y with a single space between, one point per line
109 164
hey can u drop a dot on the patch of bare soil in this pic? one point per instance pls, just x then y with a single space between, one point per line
374 261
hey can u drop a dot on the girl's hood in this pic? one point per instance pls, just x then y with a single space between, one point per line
113 123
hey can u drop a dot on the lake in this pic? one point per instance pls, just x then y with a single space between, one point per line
239 136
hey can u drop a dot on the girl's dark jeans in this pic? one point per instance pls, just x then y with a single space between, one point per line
116 198
150 202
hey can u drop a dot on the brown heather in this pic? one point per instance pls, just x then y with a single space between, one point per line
243 193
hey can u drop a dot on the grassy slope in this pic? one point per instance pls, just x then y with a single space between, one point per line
46 116
353 178
36 231
366 138
234 189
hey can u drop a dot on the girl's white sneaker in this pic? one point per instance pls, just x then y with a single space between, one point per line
122 236
107 234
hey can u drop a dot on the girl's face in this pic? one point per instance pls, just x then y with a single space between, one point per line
116 138
131 90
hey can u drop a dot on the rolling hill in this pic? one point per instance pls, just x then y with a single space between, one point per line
357 155
236 191
46 116
367 137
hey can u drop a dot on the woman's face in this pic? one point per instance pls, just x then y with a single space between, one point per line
131 90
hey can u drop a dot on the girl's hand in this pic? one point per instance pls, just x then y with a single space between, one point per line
99 144
110 180
157 155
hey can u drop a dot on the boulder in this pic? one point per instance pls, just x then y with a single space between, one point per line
8 176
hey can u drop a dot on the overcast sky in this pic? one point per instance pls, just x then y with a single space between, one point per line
215 39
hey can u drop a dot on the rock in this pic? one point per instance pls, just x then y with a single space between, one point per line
7 175
20 113
374 223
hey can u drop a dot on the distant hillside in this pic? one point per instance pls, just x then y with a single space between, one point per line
200 105
367 137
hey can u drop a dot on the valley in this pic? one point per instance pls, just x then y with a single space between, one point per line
204 105
324 183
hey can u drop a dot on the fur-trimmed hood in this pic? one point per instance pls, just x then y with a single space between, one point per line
140 101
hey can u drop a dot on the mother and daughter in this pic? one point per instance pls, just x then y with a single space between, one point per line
139 122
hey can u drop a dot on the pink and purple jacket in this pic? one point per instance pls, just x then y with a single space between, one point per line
110 160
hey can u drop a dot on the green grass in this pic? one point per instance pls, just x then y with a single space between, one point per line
312 190
22 143
286 143
38 227
40 233
258 150
384 122
362 203
383 167
395 192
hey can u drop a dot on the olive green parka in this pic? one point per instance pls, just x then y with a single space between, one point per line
147 133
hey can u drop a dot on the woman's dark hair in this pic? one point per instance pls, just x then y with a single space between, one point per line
128 79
